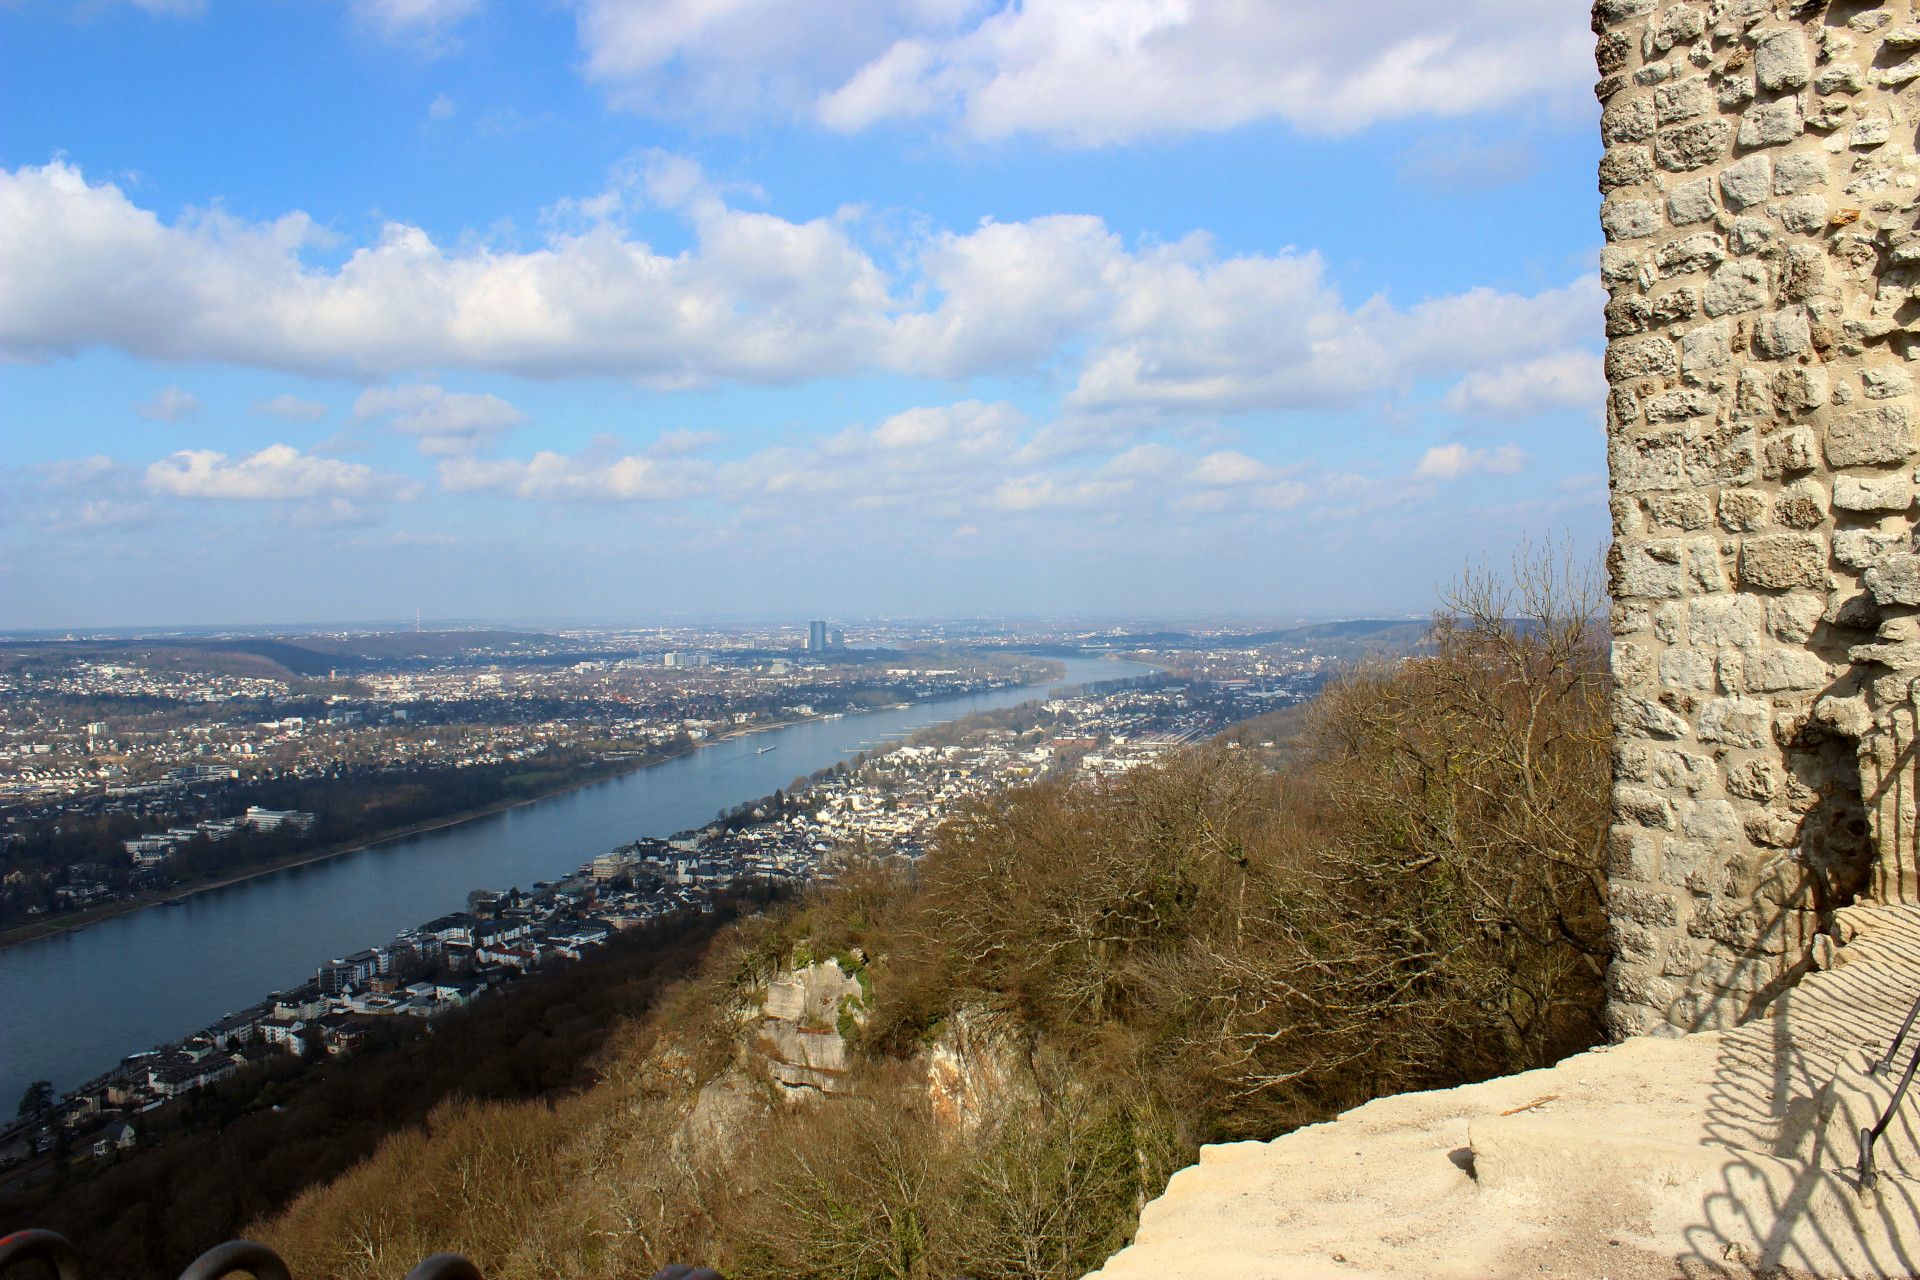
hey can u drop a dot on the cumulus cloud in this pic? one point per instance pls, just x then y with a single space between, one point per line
291 408
169 404
444 423
1558 380
758 299
1087 72
950 466
1452 461
277 473
554 477
427 23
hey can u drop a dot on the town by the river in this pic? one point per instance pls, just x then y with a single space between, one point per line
73 1004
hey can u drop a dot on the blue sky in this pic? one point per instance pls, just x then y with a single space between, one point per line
314 310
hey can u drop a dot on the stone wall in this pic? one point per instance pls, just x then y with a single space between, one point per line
1759 202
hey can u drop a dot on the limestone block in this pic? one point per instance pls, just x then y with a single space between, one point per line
1782 62
1682 100
1800 388
1686 147
1792 617
1633 852
1678 510
1743 510
1781 670
1694 253
1641 358
1746 182
1650 570
1647 464
1645 806
1896 579
1632 664
1839 80
1619 266
1792 173
1627 120
1764 124
1642 717
1623 218
1680 24
1725 454
1782 334
1873 493
1682 669
1778 561
1752 779
1878 434
1736 722
1789 452
1654 908
1749 235
1712 821
1885 383
1797 509
1685 771
1728 623
1804 215
1736 287
1689 202
1681 404
1859 548
1704 352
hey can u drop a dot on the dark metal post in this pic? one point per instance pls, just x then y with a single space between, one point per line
49 1247
237 1255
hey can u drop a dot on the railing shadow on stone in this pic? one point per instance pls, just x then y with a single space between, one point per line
1765 1111
22 1251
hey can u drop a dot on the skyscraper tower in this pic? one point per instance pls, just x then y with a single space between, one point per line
816 637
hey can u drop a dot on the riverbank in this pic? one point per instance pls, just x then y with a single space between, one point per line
164 897
41 929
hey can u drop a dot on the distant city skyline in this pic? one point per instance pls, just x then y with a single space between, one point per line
919 308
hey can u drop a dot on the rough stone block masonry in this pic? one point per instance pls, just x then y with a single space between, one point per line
1760 195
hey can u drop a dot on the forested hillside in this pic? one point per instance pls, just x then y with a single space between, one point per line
1073 989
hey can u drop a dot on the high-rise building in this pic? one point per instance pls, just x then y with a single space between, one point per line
839 640
816 637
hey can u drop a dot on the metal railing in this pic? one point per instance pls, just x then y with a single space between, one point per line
245 1257
1869 1175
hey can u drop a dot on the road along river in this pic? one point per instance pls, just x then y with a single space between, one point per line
74 1004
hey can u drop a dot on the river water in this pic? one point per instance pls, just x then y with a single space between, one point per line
73 1005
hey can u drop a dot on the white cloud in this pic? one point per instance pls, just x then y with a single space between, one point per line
277 473
291 408
441 108
1559 380
1088 72
553 477
1452 461
170 404
445 423
427 23
758 299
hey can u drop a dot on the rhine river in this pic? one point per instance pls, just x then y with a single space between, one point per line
73 1005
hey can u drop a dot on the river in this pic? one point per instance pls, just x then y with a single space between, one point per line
74 1004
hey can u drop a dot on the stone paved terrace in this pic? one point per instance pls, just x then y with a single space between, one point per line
1722 1153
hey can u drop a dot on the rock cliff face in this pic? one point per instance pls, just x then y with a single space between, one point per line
1762 260
794 1046
803 1019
